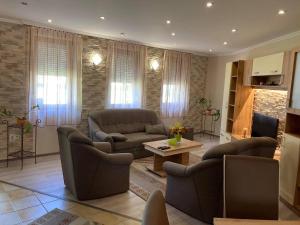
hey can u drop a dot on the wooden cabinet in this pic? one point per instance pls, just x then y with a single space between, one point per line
268 65
294 90
270 72
237 102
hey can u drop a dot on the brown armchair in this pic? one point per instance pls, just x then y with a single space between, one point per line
197 190
90 173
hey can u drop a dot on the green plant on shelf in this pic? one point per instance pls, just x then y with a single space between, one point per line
206 108
20 120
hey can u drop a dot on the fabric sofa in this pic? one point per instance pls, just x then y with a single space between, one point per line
89 172
197 190
131 123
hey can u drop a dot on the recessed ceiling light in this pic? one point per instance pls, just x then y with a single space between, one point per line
173 34
24 3
49 21
210 50
168 21
281 12
234 30
102 17
209 4
225 43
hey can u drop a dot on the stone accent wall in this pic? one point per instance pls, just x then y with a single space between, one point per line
13 79
272 103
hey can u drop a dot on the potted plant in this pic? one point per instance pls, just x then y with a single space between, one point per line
178 130
21 121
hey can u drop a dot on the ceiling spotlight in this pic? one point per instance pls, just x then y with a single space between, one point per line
173 34
102 17
49 21
209 4
210 50
281 12
225 43
168 21
234 30
24 3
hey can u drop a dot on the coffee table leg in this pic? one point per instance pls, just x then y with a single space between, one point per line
158 161
185 158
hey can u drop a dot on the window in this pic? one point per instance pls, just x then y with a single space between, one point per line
55 76
126 75
121 93
175 84
169 93
52 74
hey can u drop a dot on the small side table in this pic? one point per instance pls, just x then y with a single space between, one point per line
21 154
212 120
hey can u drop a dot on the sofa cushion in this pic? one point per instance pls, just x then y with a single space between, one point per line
135 140
155 129
118 137
78 137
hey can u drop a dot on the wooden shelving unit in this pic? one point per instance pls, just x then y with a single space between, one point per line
240 103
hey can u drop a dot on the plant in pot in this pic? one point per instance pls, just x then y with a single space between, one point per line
177 130
20 120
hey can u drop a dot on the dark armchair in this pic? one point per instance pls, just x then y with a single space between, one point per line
90 173
197 190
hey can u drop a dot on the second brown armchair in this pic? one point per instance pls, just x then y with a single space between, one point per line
90 173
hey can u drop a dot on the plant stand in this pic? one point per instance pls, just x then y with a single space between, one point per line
212 120
21 154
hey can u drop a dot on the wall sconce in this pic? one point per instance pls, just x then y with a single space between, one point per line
96 59
154 64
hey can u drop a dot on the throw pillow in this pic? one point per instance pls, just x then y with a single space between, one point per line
155 129
118 137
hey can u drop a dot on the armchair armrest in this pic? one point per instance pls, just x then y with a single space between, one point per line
119 158
175 169
103 146
179 170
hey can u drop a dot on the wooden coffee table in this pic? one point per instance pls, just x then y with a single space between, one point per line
177 154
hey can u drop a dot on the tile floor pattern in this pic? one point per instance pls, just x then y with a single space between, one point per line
21 206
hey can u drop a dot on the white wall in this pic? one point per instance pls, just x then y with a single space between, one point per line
47 141
216 66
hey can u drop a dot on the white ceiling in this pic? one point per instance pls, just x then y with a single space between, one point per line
197 28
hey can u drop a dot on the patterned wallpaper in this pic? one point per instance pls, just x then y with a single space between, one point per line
13 78
272 103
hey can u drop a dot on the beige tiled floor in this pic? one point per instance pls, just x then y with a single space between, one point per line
21 206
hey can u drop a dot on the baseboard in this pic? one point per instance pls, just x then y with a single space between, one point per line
291 207
29 157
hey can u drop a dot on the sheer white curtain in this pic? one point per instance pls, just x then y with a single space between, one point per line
175 84
126 64
55 76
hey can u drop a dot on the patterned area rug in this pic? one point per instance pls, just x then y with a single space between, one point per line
60 217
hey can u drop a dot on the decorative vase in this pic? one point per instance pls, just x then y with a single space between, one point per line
21 121
178 138
172 142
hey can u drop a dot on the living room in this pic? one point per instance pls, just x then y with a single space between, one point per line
149 112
